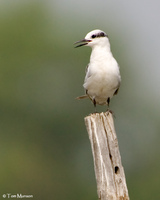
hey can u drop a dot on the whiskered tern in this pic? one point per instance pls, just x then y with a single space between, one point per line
102 80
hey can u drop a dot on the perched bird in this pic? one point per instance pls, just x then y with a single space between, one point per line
102 80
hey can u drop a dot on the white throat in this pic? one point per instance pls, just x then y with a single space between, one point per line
100 53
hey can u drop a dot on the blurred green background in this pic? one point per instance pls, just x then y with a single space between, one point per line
44 146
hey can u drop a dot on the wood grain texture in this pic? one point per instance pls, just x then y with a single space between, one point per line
109 172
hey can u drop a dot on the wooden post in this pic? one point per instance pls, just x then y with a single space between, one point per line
110 177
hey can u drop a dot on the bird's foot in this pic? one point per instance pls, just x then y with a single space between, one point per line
110 111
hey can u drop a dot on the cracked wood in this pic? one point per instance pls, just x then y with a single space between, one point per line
109 172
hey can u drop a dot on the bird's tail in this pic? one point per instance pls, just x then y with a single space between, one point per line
82 97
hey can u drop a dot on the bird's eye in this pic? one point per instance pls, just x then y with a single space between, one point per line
93 36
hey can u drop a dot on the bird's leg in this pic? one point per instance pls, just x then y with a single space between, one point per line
94 103
108 101
108 110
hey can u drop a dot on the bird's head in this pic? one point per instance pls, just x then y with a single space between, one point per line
94 38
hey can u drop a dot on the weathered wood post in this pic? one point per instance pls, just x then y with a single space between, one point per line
109 172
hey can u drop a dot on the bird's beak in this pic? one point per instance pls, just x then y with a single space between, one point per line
82 42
